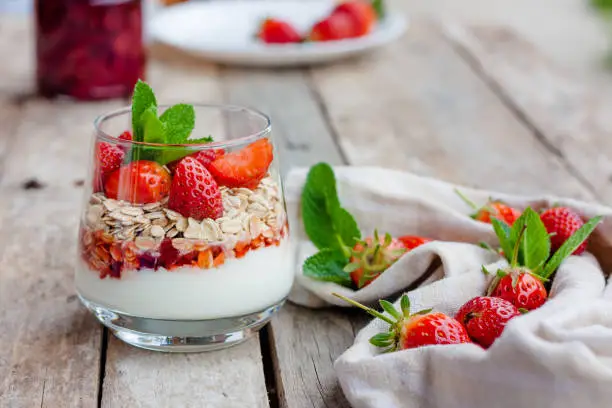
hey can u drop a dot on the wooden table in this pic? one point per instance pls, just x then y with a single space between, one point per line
472 105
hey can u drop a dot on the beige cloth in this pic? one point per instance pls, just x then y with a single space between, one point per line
559 355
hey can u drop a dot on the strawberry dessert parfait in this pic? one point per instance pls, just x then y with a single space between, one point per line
183 243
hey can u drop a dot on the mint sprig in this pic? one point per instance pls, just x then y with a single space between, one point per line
331 228
174 126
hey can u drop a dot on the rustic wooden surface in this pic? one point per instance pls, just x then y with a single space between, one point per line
472 105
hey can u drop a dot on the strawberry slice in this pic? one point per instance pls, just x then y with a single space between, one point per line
194 192
276 31
245 167
138 182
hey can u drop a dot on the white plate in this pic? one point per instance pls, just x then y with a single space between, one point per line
223 31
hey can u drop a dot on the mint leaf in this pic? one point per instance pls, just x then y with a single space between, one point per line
346 226
502 230
536 243
153 129
569 246
179 121
328 225
207 139
327 265
142 99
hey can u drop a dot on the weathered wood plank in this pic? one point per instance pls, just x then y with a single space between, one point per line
568 114
304 343
433 115
51 345
226 379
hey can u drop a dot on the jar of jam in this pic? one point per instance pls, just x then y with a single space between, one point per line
89 49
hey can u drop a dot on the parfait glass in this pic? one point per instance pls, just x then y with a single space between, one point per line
163 276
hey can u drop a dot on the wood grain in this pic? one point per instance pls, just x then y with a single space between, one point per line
225 379
434 116
304 342
570 117
51 344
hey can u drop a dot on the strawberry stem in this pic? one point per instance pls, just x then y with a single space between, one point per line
367 309
467 200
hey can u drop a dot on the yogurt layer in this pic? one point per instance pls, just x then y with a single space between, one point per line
260 279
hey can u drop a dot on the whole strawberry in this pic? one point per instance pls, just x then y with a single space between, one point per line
527 247
109 158
521 287
407 330
194 193
492 209
561 223
276 31
373 256
203 156
138 182
485 318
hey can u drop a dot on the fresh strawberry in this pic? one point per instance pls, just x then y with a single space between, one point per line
527 247
373 256
412 241
362 13
408 330
275 31
245 167
485 318
521 288
109 158
492 209
127 135
194 192
138 182
337 26
561 223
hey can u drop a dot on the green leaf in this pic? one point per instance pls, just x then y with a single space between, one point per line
502 230
405 305
424 312
326 223
346 226
382 339
536 243
569 246
379 8
388 307
202 140
179 121
153 129
327 265
142 99
602 5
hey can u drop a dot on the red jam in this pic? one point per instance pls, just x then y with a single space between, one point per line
89 49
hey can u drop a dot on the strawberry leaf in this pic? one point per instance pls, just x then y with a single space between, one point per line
382 340
405 305
536 243
388 307
327 265
502 230
517 235
142 99
379 8
569 246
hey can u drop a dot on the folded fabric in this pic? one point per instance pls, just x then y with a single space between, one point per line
559 355
405 204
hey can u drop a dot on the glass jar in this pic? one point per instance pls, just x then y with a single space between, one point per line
165 281
89 49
